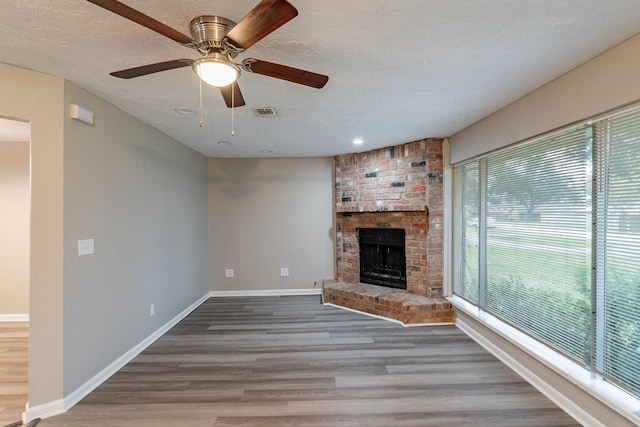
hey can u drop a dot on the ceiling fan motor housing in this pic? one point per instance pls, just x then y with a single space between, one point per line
209 31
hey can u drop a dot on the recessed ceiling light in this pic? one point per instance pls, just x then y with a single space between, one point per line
358 141
185 111
225 142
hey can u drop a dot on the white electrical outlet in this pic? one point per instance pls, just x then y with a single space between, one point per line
228 272
152 310
284 272
85 247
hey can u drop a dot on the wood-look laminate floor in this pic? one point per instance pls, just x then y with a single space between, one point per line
14 350
289 361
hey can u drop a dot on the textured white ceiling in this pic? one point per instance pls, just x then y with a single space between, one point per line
399 70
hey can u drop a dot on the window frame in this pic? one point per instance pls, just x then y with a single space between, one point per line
609 391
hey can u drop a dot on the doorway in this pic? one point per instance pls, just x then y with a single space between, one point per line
15 226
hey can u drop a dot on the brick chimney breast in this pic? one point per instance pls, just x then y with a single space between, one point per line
396 187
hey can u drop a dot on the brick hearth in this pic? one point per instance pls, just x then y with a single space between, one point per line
396 187
405 307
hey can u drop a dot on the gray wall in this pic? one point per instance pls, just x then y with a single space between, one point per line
142 197
15 204
606 82
266 214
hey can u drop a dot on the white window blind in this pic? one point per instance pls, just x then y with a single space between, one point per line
524 245
538 244
617 258
547 237
466 231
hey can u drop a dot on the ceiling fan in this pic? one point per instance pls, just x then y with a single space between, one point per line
219 40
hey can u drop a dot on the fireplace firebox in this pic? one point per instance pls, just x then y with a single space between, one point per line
382 257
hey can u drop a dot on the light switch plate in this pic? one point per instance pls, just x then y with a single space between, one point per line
228 272
85 247
284 272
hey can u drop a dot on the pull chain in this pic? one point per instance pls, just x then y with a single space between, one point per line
201 121
233 107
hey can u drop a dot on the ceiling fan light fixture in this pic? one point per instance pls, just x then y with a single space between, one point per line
216 70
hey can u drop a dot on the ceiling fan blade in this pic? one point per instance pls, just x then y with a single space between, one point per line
232 95
283 72
267 16
143 70
142 19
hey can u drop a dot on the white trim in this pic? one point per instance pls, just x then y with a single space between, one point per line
578 380
264 293
45 410
82 391
406 325
447 219
14 318
59 406
50 409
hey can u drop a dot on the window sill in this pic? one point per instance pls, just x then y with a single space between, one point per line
617 399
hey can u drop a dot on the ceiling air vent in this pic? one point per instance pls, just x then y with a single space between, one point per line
265 112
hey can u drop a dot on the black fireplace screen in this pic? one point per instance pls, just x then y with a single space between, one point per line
382 257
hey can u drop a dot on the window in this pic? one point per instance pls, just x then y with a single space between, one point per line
527 233
466 234
617 257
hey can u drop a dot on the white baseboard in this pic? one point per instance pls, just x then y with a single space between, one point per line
265 293
530 376
590 401
14 318
54 408
119 363
50 409
45 410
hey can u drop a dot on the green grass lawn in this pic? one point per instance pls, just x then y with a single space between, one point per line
539 258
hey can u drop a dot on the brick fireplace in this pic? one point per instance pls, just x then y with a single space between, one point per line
393 188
